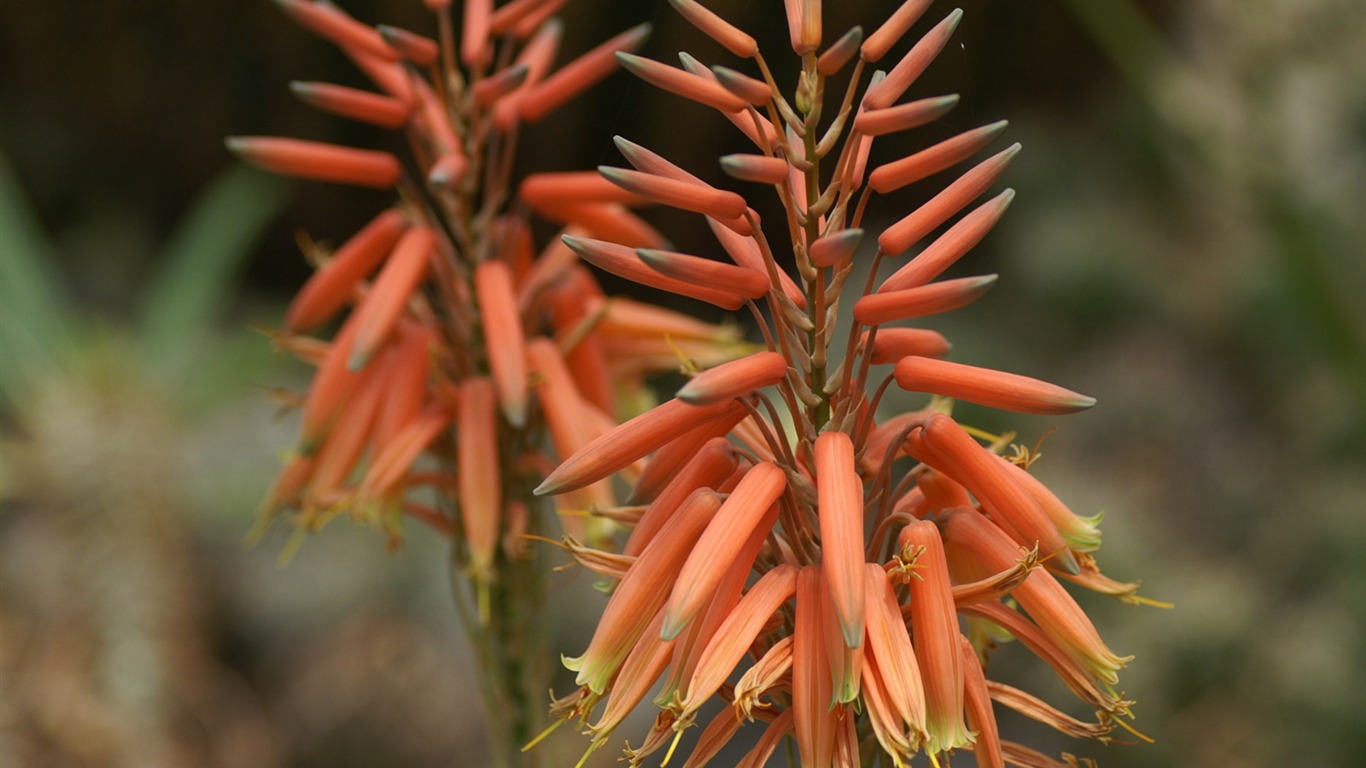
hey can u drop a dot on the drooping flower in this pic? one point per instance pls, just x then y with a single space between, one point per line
874 573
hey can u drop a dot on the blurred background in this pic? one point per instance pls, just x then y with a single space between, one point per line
1187 246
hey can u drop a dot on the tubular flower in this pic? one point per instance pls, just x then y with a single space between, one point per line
883 543
447 287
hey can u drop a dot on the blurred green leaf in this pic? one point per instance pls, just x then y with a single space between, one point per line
199 262
33 326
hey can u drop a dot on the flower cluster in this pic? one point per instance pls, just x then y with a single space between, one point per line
855 570
463 343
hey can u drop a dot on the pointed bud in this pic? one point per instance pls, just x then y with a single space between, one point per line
698 271
984 386
893 29
912 65
717 28
950 246
333 285
837 55
932 299
892 344
318 161
580 74
480 488
377 313
756 168
835 248
365 106
690 196
746 507
929 161
841 525
504 341
682 83
879 122
896 239
624 262
756 92
736 378
332 23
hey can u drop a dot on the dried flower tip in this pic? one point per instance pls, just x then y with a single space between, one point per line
932 299
494 87
893 29
756 168
580 74
624 262
690 196
911 66
879 122
480 489
899 237
839 54
381 307
735 379
721 543
804 24
365 106
950 246
756 92
891 652
836 248
504 339
682 83
332 23
318 161
626 443
929 161
334 283
419 49
474 39
742 280
892 344
717 28
994 389
841 524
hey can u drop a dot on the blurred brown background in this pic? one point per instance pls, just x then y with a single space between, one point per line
1187 246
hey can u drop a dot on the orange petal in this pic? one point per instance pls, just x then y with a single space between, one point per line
931 160
342 446
887 35
736 378
396 457
717 28
934 624
841 523
490 89
738 632
580 74
475 50
747 282
986 746
746 507
682 83
896 239
984 386
332 23
912 64
752 91
756 168
953 452
814 720
642 593
624 262
892 344
745 251
480 487
334 283
708 467
538 55
378 312
804 24
891 651
367 107
1042 597
839 53
406 390
690 196
318 161
628 442
420 50
836 248
504 342
757 757
878 122
547 190
950 246
932 299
